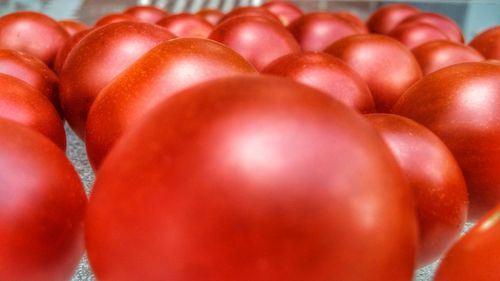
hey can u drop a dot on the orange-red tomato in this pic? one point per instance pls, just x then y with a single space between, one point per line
170 67
97 59
488 43
251 178
249 11
287 12
414 34
213 16
186 25
148 14
113 18
461 104
63 53
441 22
384 19
73 26
42 207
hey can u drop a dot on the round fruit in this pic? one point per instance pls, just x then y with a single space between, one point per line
441 22
415 34
213 16
113 18
63 53
186 25
148 14
287 12
488 43
388 17
73 26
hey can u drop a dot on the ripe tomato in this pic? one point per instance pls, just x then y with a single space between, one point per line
441 22
170 67
73 26
488 43
461 104
384 19
32 33
213 16
148 14
249 11
436 180
414 34
97 59
287 12
387 66
477 255
42 206
113 18
186 25
63 53
251 178
327 74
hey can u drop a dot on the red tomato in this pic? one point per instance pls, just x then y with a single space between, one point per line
461 104
488 43
245 35
32 71
249 11
387 66
170 67
113 18
327 74
435 178
213 16
73 26
63 53
42 206
414 34
251 178
285 11
435 55
388 17
32 33
97 59
149 14
186 25
316 31
22 103
477 255
441 22
354 20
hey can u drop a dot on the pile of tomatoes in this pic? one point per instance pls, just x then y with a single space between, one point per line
261 144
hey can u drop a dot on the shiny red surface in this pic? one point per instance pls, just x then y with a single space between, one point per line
436 55
384 19
73 26
33 33
461 104
24 104
441 22
42 207
387 66
327 74
213 16
488 43
287 12
113 18
165 70
251 178
97 59
414 34
249 11
148 14
434 176
186 25
477 255
258 39
316 31
63 53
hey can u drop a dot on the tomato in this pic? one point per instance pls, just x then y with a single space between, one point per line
477 255
42 206
384 19
316 31
435 55
32 33
251 178
249 11
327 74
73 26
461 104
488 43
414 34
32 71
441 22
170 67
97 59
63 53
113 18
287 12
213 16
186 25
24 104
435 178
245 34
148 14
387 66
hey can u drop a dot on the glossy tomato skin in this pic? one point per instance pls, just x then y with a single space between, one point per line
32 71
386 18
434 176
436 55
441 22
213 16
414 34
73 26
148 14
316 31
268 204
327 74
461 104
63 53
377 57
97 59
22 103
488 43
32 33
245 34
186 25
42 206
170 67
113 18
476 255
287 12
249 11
